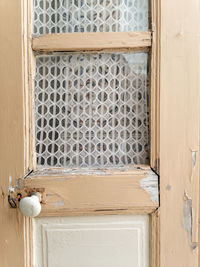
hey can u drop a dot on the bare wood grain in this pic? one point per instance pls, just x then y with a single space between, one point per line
91 41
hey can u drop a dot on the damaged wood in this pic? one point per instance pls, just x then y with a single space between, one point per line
188 219
63 172
150 185
17 194
78 193
19 191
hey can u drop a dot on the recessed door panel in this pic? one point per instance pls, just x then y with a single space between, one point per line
94 241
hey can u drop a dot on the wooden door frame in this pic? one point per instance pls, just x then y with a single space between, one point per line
179 132
179 135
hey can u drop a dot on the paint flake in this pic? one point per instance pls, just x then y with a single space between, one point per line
150 185
187 219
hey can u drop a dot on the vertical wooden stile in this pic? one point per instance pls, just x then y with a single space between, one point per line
12 133
155 239
179 136
155 86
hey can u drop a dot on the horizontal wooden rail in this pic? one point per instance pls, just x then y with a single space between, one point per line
91 41
114 192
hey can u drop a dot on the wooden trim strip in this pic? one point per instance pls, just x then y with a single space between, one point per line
28 242
79 194
155 239
155 86
91 41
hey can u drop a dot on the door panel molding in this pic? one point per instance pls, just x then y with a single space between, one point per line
90 238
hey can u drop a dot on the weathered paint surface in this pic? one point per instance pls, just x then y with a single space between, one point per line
187 220
179 132
150 185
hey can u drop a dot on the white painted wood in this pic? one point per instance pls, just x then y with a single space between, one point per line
92 241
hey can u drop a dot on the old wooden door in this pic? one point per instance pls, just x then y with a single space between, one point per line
100 115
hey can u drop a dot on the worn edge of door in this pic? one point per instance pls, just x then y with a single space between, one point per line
179 136
12 133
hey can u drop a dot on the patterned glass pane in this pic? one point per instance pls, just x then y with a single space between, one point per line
61 16
91 110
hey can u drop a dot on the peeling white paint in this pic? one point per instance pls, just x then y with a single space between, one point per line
59 203
194 157
10 187
187 219
85 171
20 183
150 185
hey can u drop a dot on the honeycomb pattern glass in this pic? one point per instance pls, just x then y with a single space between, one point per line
65 16
91 110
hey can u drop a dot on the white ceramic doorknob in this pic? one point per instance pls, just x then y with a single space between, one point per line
30 206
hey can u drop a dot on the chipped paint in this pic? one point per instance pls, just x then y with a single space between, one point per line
20 183
187 219
194 157
10 187
59 203
150 185
85 171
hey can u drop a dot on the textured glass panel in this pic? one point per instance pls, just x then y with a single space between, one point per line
61 16
91 110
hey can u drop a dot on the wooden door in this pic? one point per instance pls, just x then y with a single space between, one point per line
116 158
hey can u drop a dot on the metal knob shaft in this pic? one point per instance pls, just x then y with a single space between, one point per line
30 206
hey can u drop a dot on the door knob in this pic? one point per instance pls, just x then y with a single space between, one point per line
30 206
